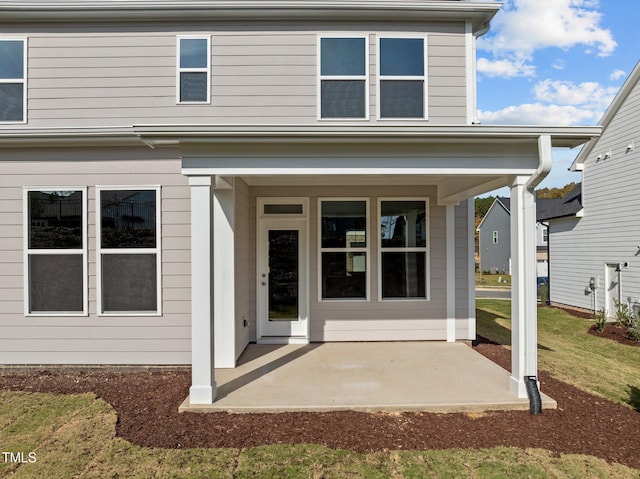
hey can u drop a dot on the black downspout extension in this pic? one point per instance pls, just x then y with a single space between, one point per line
535 401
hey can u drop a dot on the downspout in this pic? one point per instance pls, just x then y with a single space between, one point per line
546 225
544 167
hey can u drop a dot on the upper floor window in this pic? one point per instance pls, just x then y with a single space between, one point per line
402 82
343 77
194 70
13 97
494 237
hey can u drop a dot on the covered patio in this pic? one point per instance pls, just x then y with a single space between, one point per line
364 376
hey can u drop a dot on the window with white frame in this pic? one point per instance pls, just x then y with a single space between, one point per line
343 249
128 249
13 81
402 80
495 237
194 70
343 77
56 251
403 248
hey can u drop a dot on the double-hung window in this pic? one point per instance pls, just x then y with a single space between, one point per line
56 251
403 248
402 78
343 77
128 250
194 70
494 237
343 249
13 81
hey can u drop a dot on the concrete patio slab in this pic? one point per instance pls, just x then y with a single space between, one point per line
375 376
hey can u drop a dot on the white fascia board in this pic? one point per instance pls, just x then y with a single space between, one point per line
565 136
480 13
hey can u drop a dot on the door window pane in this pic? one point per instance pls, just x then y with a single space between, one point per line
283 275
129 282
55 219
403 275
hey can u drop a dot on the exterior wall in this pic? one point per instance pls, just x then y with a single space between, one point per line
95 339
495 256
261 73
245 251
609 232
384 320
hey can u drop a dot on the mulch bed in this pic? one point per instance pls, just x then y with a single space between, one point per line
147 406
615 333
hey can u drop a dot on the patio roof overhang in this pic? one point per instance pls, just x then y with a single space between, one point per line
461 160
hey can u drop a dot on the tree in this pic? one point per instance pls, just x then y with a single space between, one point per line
555 192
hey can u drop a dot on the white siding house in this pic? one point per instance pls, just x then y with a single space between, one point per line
179 179
595 246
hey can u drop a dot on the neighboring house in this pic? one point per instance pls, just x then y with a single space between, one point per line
286 172
494 237
595 241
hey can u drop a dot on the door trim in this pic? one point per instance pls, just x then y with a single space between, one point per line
282 221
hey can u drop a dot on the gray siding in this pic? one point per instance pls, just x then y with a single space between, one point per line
609 232
95 339
127 75
494 257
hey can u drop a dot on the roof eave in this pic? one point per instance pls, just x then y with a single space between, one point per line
480 14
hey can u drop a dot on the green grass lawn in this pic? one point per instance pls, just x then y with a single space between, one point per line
493 280
593 364
73 436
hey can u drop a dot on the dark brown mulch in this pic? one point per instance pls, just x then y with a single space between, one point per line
616 333
147 406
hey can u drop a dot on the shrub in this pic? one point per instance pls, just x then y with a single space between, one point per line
634 330
624 314
600 320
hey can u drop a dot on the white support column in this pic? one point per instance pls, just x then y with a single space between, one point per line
524 319
224 319
472 267
203 385
450 228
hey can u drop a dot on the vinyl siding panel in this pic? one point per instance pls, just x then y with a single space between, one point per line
95 339
609 232
106 76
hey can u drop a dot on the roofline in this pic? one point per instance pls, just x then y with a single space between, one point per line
160 135
480 13
496 200
617 102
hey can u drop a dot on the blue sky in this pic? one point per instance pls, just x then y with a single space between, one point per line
556 62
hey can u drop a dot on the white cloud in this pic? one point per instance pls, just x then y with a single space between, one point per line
524 26
540 114
588 94
558 64
617 75
505 68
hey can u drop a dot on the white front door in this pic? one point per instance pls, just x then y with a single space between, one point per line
282 280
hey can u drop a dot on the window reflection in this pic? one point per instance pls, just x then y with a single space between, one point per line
128 218
55 219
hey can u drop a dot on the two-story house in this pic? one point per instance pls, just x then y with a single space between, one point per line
179 179
594 241
494 236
